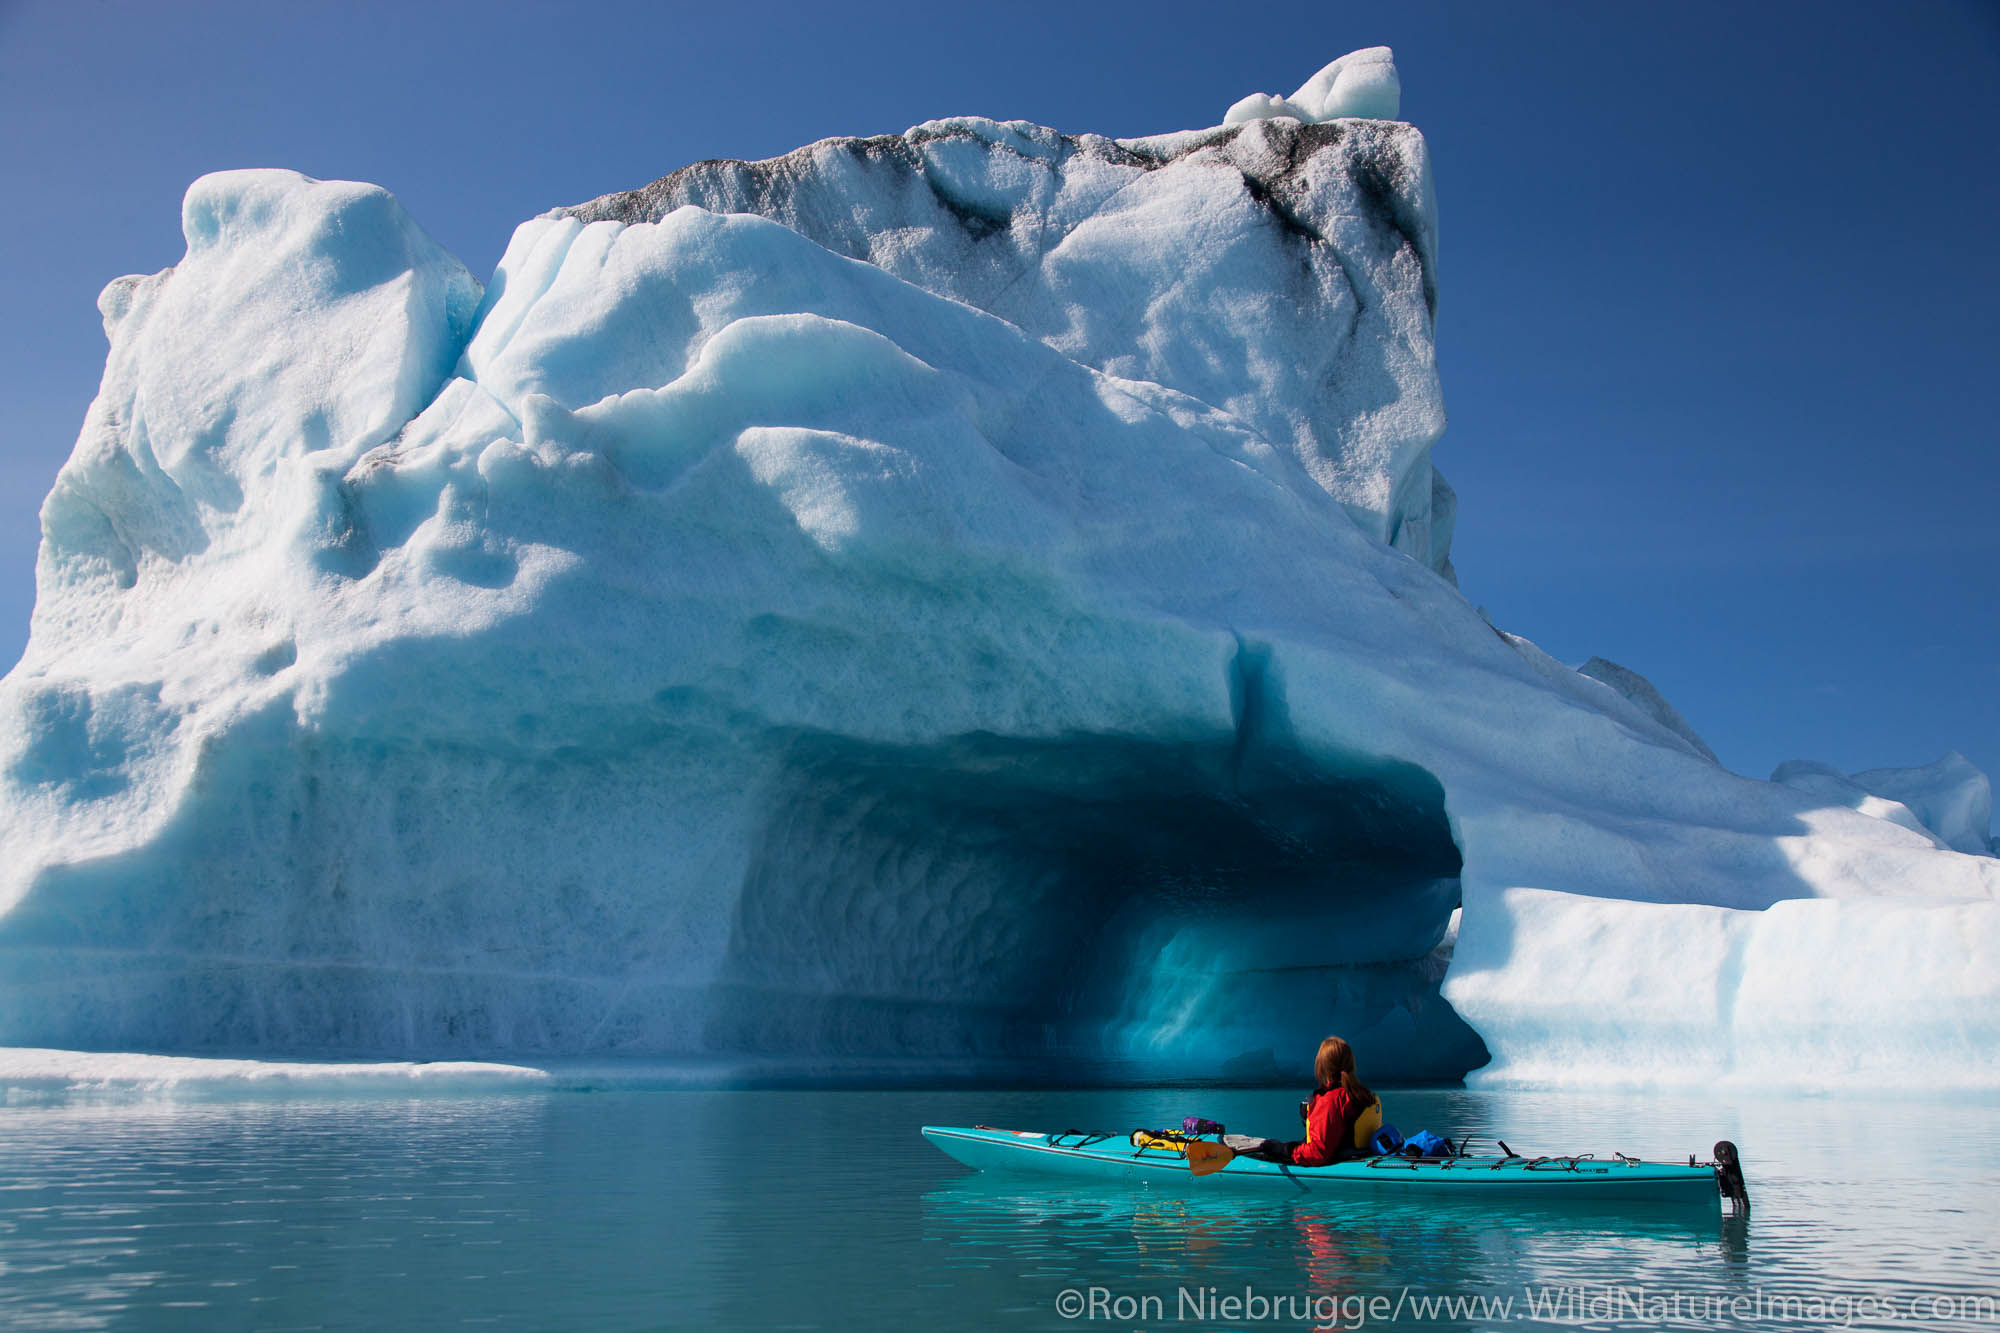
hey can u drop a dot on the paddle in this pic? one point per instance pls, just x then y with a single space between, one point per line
1205 1158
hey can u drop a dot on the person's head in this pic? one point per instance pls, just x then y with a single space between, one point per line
1334 1068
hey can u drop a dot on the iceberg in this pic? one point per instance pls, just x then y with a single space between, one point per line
974 600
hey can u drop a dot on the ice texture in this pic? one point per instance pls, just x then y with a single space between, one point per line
1642 693
969 601
1282 273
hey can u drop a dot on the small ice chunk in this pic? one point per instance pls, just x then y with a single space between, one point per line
1361 84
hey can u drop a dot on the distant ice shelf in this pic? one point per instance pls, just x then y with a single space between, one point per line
30 1075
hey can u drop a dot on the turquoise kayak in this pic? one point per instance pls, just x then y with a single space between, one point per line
1113 1157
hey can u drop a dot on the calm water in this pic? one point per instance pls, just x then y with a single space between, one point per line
816 1210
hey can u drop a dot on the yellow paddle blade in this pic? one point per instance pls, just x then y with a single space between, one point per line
1205 1158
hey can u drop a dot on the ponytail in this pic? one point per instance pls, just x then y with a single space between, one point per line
1334 1067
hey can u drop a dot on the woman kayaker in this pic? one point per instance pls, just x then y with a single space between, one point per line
1339 1102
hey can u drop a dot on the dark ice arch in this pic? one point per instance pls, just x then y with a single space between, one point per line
1098 907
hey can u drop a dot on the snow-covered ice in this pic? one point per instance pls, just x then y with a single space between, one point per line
977 596
1949 799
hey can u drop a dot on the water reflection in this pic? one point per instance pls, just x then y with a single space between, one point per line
1733 1236
1327 1256
1337 1246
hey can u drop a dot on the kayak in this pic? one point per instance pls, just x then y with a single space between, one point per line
1113 1157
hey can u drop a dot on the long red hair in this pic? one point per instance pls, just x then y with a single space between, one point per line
1334 1067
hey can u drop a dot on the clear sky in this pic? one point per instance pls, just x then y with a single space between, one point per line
1719 282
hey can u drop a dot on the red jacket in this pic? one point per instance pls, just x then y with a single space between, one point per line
1329 1128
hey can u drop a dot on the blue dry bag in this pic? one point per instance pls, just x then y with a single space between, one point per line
1386 1141
1423 1143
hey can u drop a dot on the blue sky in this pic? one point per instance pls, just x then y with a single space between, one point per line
1718 324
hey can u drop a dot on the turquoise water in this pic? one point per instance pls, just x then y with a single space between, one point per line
825 1210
